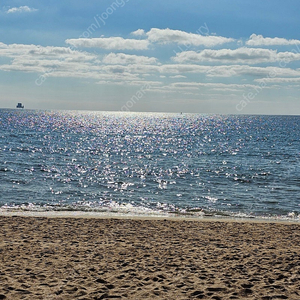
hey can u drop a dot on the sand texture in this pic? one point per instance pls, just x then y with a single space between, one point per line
68 258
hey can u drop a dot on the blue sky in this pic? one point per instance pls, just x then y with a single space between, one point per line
133 55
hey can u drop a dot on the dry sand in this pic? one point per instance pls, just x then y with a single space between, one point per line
69 258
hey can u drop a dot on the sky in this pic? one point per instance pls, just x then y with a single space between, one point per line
192 56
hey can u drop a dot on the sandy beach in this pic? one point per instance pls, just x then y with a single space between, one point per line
90 258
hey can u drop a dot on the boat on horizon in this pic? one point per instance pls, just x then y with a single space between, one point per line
19 105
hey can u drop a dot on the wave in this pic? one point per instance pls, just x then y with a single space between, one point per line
115 209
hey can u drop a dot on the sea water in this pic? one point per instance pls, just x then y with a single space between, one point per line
150 163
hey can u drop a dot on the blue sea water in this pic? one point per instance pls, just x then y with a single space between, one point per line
150 163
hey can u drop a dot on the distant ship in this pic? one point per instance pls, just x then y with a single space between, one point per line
20 105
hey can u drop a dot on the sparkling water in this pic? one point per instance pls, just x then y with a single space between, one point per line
150 163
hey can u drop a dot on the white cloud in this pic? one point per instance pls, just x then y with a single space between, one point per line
147 69
185 85
139 32
241 55
112 43
49 52
125 69
199 87
182 68
239 70
131 69
20 9
177 76
166 36
259 40
132 83
155 35
124 59
64 62
278 80
47 60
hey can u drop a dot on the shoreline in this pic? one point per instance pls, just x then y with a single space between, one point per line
106 215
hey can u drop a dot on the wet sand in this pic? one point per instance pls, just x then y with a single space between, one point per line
81 258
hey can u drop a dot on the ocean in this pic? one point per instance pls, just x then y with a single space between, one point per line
150 164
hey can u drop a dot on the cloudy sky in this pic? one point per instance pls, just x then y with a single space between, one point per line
198 56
